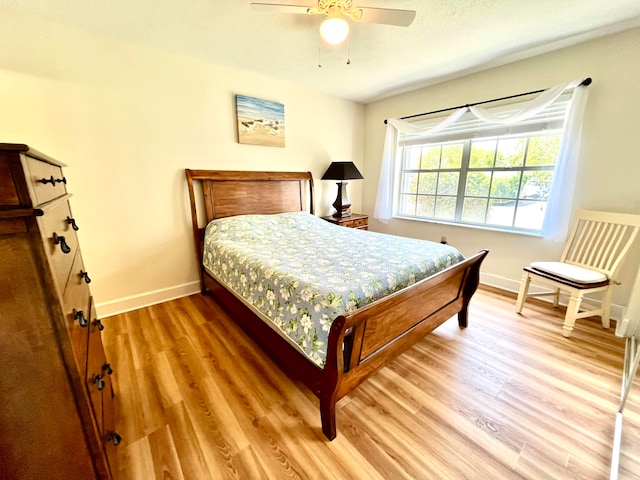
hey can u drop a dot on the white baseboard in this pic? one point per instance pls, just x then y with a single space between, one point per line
511 285
126 304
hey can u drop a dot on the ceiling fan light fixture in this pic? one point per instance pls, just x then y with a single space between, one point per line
334 30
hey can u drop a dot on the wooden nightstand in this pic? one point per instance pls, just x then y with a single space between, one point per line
356 220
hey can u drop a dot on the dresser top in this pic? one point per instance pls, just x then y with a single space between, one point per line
32 152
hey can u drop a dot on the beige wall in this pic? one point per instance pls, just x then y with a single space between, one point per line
127 121
610 165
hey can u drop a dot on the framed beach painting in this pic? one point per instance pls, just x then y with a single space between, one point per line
260 122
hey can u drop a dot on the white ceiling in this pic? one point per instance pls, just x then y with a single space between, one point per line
448 38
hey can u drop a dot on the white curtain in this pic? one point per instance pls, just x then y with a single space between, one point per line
384 201
559 204
532 107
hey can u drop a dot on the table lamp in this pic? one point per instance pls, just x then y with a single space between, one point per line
342 171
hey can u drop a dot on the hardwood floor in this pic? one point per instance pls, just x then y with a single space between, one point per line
508 397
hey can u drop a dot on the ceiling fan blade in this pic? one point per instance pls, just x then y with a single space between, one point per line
279 8
388 16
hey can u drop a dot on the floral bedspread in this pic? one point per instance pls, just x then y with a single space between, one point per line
302 272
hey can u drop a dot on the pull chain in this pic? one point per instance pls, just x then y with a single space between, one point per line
349 50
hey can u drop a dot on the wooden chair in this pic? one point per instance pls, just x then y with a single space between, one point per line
597 244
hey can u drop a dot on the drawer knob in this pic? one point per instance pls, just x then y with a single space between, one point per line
107 368
85 275
98 381
59 240
113 437
53 181
79 315
72 222
98 324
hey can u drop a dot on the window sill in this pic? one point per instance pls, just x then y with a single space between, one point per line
469 225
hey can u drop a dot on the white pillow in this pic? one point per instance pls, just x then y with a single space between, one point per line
570 272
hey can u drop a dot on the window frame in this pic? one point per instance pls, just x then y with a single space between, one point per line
550 122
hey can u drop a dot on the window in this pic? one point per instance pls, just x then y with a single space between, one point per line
478 174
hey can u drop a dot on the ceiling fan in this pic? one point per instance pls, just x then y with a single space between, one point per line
335 28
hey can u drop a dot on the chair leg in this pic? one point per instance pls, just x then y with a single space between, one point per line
522 293
606 307
573 307
556 297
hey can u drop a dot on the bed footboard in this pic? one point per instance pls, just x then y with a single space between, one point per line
384 329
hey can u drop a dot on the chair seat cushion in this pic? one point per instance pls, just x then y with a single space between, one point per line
570 272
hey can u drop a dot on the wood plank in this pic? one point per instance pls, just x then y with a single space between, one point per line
165 459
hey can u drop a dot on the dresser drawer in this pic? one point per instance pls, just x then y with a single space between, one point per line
346 223
111 437
99 371
360 223
355 223
46 179
76 304
61 241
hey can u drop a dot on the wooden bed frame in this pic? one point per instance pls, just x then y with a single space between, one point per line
360 343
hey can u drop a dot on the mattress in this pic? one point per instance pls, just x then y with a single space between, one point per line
301 272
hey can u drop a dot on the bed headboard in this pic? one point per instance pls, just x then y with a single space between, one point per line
225 193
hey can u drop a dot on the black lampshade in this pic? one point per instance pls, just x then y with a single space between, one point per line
342 171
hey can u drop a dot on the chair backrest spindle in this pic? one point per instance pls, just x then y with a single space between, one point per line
600 240
608 251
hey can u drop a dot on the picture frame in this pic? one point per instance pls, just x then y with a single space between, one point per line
259 121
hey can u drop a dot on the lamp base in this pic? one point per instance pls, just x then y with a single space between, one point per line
342 203
342 214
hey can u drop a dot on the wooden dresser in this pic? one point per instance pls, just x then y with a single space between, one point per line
56 398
